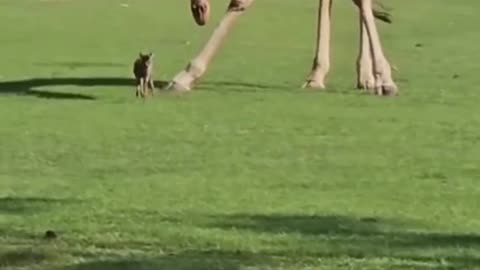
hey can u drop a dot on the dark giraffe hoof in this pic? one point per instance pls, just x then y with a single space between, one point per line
389 90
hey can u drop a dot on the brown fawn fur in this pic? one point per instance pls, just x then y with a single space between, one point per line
143 71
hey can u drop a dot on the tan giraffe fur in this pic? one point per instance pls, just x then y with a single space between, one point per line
373 69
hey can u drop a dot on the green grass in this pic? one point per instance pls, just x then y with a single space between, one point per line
249 171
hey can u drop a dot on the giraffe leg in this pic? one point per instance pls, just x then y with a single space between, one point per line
321 62
384 84
185 79
365 76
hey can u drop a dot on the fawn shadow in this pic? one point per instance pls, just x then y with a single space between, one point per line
28 86
31 87
75 64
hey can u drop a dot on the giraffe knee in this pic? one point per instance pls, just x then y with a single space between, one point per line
239 5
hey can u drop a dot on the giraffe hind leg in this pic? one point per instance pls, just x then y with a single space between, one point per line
365 72
384 84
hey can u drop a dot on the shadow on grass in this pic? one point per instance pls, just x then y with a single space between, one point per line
23 205
77 64
362 230
22 249
34 87
245 87
334 242
22 257
339 236
29 86
235 260
227 86
186 260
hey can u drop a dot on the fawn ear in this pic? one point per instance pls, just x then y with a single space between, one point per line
151 55
140 55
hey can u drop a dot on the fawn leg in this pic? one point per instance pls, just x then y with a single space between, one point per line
137 91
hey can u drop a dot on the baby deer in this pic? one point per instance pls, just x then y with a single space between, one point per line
143 71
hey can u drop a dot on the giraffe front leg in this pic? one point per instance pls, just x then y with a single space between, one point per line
321 62
384 84
365 76
186 78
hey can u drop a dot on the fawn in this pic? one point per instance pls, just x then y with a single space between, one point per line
143 71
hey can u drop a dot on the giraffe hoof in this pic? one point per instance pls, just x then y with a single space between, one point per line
312 84
366 85
388 90
178 87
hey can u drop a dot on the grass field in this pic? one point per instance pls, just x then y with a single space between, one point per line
249 171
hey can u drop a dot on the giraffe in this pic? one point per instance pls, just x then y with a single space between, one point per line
373 68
